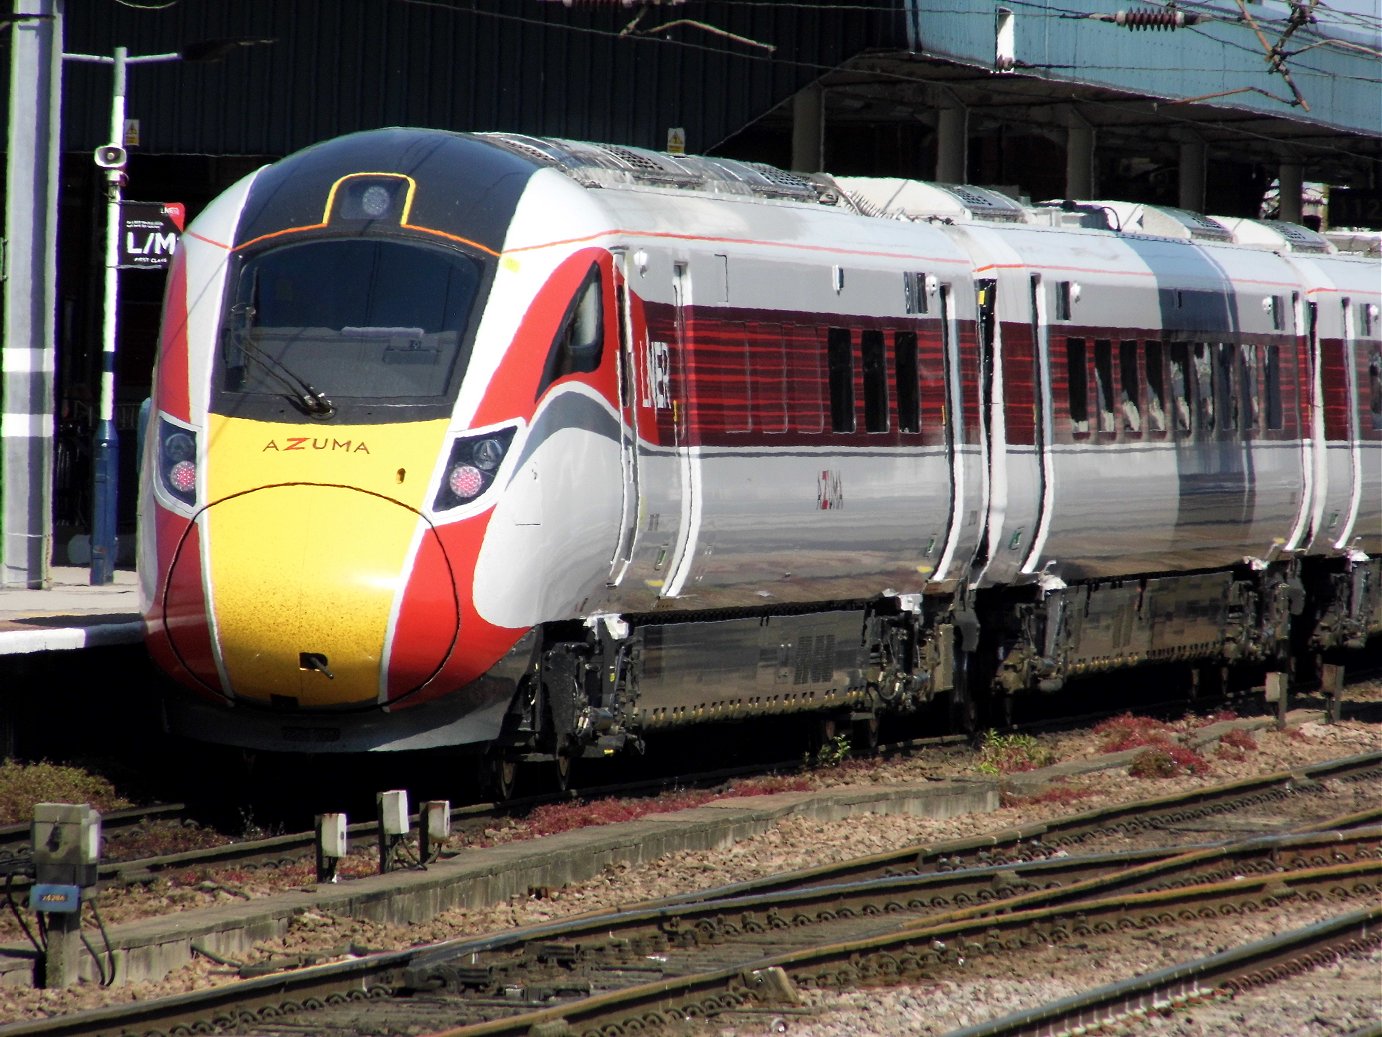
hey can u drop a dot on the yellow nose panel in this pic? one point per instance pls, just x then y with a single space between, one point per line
307 540
304 580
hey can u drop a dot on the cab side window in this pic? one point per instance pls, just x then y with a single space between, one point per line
578 345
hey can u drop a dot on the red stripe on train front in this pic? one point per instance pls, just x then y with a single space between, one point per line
512 393
443 561
172 392
179 611
513 388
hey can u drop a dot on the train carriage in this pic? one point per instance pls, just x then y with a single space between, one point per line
534 446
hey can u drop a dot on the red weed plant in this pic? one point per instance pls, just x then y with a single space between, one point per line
1058 795
565 817
1167 761
1131 732
1239 739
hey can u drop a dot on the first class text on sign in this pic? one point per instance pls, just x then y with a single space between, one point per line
149 233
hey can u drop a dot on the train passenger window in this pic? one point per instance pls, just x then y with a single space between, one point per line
914 292
727 377
840 355
767 375
1062 300
1103 383
1078 379
1182 386
1247 373
579 342
1130 387
908 384
1375 387
1156 388
801 346
1367 319
1272 374
932 368
875 381
1224 383
1274 309
1203 387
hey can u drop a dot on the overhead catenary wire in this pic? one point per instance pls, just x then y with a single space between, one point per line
756 54
1208 14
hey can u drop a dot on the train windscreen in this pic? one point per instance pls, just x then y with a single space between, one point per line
362 319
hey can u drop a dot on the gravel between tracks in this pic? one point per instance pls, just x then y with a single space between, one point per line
797 842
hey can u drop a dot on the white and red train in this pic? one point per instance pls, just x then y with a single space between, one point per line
534 446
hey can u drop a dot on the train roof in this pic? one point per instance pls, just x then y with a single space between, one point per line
623 166
1274 234
618 166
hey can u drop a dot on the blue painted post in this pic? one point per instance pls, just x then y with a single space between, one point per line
105 457
105 467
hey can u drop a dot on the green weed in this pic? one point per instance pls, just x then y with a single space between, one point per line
1008 754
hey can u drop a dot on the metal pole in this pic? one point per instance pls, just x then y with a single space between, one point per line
105 459
30 295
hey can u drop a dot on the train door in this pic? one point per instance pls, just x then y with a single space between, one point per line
651 412
628 422
1011 383
1325 490
688 463
1040 368
966 483
990 426
1297 374
1338 390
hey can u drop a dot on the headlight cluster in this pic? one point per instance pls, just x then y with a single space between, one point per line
471 468
177 461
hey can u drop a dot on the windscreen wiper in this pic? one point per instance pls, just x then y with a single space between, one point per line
299 389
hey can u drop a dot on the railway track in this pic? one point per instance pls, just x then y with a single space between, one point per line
123 867
16 849
1117 1006
1045 839
119 826
873 920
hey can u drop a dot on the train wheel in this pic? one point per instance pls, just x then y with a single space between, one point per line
565 768
822 738
826 730
964 714
501 774
1208 681
866 733
964 710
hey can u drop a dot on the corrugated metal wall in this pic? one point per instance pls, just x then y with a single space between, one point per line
1219 57
522 65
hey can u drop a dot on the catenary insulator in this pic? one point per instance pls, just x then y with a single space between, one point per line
1152 18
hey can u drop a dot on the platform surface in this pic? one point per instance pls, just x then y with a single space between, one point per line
70 613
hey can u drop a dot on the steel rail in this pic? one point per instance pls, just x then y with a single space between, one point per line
1252 964
949 896
1210 864
380 975
1038 839
294 847
125 817
890 957
16 840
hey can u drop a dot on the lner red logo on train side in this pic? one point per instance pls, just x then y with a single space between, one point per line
830 491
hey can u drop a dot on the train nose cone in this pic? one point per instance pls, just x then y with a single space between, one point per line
305 584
